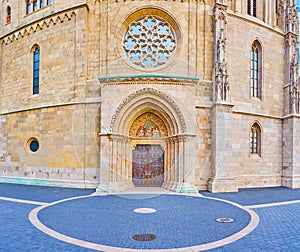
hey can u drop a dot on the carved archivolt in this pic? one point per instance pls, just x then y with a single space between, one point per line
153 92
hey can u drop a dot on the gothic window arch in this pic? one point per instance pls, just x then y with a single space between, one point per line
35 5
36 69
255 139
42 3
256 70
252 8
8 14
28 6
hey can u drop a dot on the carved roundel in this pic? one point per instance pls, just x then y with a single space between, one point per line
149 42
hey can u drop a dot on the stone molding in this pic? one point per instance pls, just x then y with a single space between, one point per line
116 1
152 91
152 79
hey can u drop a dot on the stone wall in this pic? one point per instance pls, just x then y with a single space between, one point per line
256 170
81 41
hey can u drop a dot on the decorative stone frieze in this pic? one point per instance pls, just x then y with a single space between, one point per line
45 22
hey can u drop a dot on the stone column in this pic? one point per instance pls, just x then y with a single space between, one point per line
167 166
291 152
113 173
184 172
105 167
123 161
176 163
291 122
172 163
221 180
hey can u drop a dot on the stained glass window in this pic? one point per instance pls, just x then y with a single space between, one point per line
251 7
255 70
42 3
34 146
149 42
35 5
36 70
8 15
28 7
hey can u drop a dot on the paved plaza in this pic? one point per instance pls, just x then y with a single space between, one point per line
36 218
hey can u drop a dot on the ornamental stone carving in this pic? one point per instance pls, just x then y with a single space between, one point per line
148 125
149 42
221 85
291 48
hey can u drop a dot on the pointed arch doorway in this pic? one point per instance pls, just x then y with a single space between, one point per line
148 134
148 122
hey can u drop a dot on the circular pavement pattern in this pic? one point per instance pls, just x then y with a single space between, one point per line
110 220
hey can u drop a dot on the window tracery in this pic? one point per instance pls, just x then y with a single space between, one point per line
256 70
149 42
255 139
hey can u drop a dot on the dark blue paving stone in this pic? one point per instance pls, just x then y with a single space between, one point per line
278 230
257 196
179 221
40 193
17 233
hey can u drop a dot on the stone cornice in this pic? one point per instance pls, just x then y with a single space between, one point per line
116 1
256 21
95 100
148 78
41 23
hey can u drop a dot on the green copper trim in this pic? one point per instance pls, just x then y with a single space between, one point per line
147 76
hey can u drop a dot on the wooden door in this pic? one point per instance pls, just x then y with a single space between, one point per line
148 165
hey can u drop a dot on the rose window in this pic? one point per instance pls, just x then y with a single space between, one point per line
149 42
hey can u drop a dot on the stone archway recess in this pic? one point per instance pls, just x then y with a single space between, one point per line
117 144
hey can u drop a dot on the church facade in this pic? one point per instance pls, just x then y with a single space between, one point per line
186 95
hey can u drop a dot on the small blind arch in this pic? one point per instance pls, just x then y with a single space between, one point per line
255 138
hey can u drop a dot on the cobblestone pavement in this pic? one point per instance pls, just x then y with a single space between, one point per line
80 220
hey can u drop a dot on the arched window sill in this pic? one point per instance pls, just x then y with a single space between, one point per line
255 155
